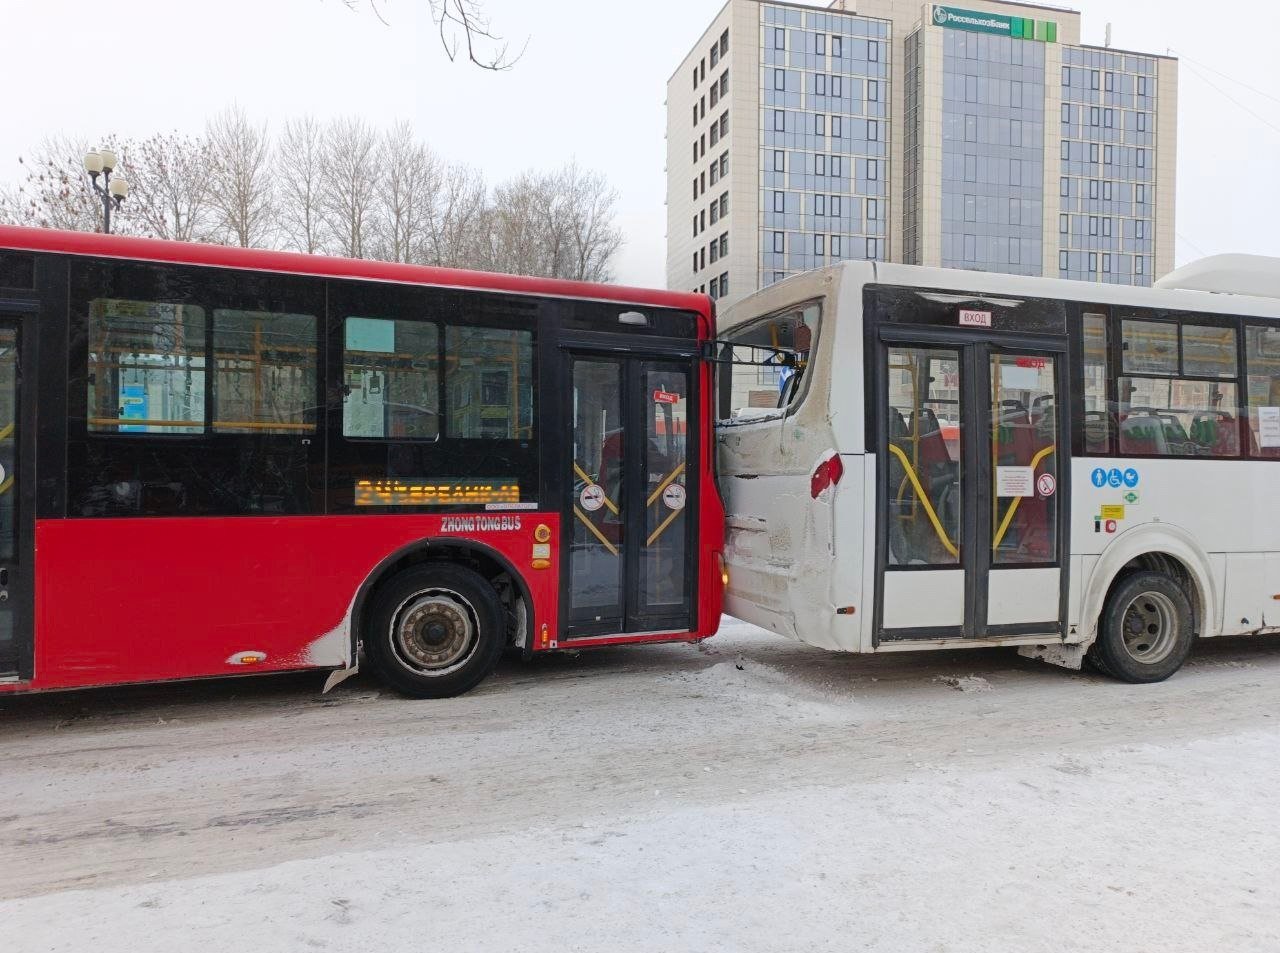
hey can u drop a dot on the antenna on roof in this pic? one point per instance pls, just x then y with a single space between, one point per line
1107 41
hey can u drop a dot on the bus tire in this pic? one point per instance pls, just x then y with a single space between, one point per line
1146 629
434 630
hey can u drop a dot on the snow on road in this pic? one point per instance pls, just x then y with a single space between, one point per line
749 795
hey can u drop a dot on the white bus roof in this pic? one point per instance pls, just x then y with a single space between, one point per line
1240 284
1253 275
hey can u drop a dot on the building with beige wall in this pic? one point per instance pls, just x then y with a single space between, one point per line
984 136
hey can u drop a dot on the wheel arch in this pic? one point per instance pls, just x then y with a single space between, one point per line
435 549
1162 548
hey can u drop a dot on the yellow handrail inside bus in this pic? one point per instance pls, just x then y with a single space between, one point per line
592 526
653 537
199 424
913 437
996 367
1013 507
924 500
653 498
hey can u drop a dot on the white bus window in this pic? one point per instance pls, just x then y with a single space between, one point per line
1179 396
1208 351
764 365
1150 347
1097 419
1262 363
1177 417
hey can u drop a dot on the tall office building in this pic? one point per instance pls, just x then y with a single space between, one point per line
983 137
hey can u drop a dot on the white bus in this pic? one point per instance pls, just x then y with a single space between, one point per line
922 458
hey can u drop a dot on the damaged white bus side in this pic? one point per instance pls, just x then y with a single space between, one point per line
922 458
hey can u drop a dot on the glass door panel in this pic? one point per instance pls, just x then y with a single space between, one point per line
1024 468
596 531
9 534
664 579
628 519
925 430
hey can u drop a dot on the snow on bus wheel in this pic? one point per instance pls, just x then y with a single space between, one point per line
434 630
1146 630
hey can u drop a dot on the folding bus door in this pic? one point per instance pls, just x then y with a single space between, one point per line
630 498
16 524
972 510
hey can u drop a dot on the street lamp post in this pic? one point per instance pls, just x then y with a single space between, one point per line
113 190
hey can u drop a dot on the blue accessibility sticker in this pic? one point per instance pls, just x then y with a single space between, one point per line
1114 477
1131 477
1099 477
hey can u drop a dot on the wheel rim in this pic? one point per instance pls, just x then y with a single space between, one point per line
1150 627
435 632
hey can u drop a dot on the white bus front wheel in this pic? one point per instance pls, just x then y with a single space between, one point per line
1146 630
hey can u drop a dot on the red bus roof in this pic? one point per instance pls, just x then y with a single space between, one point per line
256 259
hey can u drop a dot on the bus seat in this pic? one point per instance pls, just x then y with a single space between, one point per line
1141 434
1096 428
897 425
933 448
1217 432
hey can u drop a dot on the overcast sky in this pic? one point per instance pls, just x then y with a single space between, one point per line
591 85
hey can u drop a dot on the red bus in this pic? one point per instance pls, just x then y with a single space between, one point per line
216 461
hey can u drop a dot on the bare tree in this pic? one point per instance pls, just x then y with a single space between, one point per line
240 177
467 19
299 184
456 213
56 191
409 177
347 203
342 187
594 240
168 194
461 24
514 234
556 224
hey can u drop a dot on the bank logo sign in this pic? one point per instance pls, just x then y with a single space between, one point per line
1019 28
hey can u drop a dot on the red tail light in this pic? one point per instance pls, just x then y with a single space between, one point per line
828 474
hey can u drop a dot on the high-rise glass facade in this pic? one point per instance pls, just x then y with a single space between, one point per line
988 139
824 139
992 153
1107 188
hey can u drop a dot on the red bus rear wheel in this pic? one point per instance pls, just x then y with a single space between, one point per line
434 631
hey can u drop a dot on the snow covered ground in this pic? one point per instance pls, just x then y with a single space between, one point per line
748 795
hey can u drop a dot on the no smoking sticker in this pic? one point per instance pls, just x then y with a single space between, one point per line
592 497
1046 484
673 497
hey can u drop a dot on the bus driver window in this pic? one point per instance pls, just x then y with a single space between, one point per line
764 365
